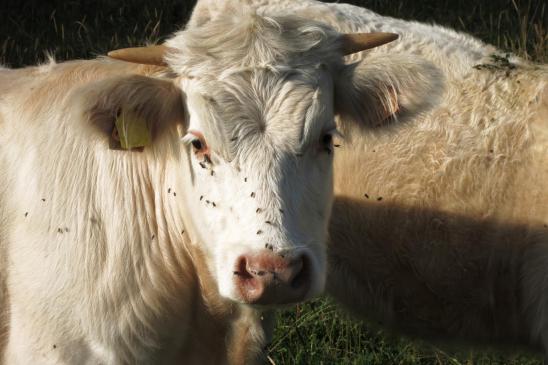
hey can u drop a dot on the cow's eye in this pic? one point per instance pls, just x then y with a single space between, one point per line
197 141
327 139
197 144
326 142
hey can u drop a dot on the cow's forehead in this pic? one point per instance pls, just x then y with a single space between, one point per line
261 107
253 78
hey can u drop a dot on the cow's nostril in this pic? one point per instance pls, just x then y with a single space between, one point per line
242 269
248 282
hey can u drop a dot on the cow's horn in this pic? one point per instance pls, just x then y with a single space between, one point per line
151 55
356 42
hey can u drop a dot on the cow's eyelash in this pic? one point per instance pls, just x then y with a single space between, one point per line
195 140
188 138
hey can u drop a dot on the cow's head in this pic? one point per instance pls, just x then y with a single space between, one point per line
261 98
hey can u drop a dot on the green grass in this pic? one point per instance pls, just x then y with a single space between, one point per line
316 332
319 333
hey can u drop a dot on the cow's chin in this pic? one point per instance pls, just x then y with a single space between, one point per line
235 295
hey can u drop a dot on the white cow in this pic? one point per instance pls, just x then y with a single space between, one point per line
145 214
440 223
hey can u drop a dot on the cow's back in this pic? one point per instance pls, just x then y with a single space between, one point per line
436 226
48 83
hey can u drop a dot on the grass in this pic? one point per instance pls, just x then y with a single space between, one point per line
83 29
316 332
518 26
319 333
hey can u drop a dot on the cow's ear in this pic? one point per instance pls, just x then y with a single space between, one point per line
381 89
132 111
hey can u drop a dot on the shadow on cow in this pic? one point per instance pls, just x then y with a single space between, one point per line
431 273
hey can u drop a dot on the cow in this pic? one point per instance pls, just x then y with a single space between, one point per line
154 211
439 226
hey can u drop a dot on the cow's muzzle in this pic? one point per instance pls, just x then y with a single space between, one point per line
268 278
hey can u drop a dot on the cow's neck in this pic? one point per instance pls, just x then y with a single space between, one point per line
224 332
170 282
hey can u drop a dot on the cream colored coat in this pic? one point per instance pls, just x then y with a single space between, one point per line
440 223
164 306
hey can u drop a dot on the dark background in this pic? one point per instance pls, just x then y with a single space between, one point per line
83 29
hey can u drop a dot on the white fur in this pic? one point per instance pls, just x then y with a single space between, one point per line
97 265
98 262
458 245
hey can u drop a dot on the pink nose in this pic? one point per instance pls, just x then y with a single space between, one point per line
268 278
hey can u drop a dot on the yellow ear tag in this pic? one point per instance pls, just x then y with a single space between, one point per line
133 130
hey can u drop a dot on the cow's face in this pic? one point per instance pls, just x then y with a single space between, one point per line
260 147
260 103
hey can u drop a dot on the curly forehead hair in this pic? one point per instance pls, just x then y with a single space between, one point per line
245 39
